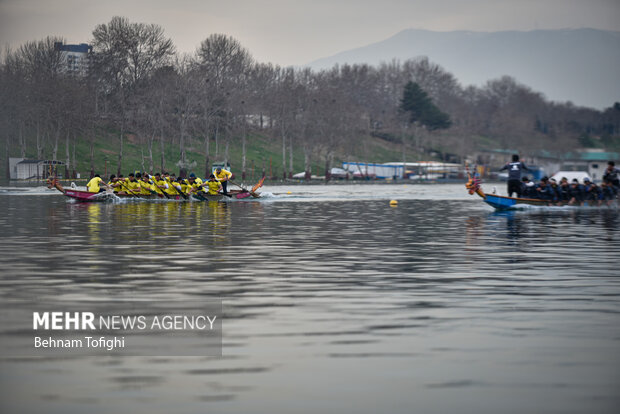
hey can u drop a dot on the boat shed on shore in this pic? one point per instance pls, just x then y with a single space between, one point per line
25 169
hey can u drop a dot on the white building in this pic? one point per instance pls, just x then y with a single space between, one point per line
76 57
24 169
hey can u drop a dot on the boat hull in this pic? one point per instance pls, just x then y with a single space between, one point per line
506 203
87 196
509 203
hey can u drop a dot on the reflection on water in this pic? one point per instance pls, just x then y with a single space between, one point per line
438 305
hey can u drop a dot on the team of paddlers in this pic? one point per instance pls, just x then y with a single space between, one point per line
165 184
571 193
563 192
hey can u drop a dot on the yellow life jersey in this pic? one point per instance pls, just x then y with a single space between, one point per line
222 175
183 184
93 184
175 187
145 187
213 187
157 183
120 185
196 186
113 186
131 186
170 190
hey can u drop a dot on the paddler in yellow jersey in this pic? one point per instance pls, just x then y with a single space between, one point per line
146 187
184 185
177 185
223 176
193 179
159 185
131 186
95 184
114 184
118 184
194 184
213 186
170 190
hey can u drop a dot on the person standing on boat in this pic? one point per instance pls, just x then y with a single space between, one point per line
514 175
223 176
95 184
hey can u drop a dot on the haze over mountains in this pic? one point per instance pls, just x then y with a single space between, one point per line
577 65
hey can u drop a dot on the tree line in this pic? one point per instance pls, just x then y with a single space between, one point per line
137 83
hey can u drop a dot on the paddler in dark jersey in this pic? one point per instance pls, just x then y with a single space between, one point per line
611 175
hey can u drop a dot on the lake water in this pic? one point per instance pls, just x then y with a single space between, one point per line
334 301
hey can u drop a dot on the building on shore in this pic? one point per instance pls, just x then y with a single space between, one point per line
25 169
76 57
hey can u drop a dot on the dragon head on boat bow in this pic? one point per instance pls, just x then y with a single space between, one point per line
53 183
473 184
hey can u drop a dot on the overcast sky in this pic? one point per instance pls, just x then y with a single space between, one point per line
296 32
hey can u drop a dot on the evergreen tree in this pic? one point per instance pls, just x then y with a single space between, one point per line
421 108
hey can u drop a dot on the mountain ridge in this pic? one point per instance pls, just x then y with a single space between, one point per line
576 65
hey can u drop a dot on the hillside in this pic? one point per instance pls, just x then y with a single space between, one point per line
262 152
579 65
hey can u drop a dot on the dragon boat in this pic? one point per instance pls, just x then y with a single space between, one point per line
510 203
87 196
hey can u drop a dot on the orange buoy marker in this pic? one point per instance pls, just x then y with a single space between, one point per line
289 192
393 203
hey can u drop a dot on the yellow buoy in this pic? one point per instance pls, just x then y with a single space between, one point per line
393 203
289 192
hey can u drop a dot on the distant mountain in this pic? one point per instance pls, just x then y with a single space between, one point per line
580 65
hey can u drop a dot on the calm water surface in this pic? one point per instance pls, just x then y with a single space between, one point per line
334 302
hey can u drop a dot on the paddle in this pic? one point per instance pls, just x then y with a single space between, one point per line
195 191
128 189
257 186
252 191
219 192
179 191
162 191
197 194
